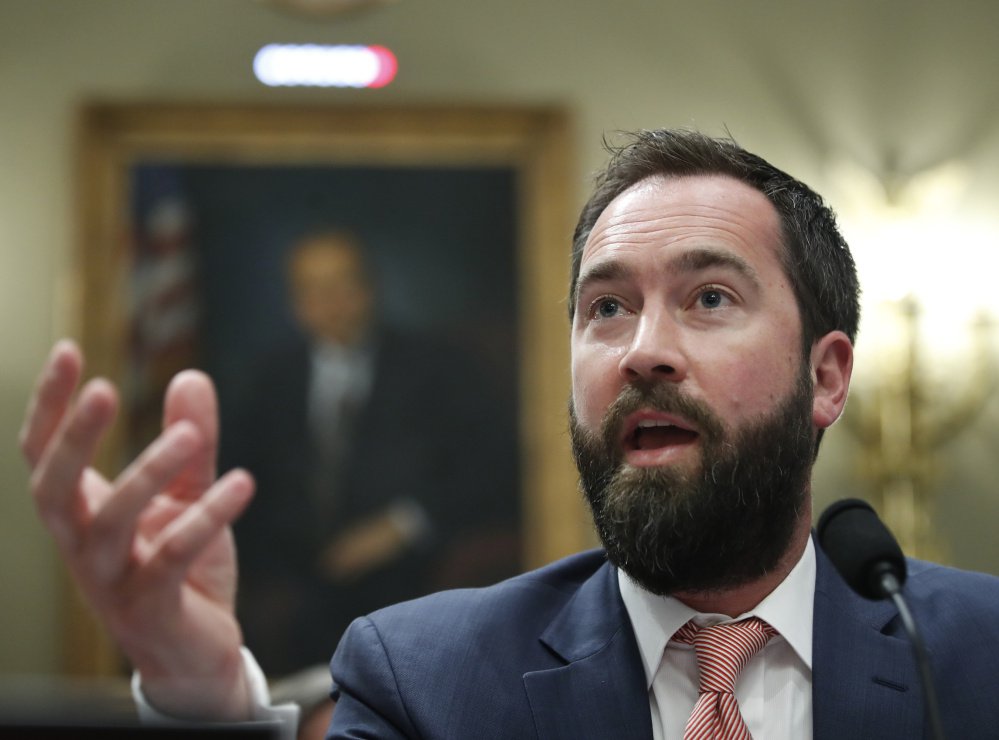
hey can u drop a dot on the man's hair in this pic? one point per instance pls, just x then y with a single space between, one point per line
815 256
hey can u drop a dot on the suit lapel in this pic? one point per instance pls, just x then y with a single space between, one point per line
864 681
600 692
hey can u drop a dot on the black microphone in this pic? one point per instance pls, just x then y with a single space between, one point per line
863 550
868 557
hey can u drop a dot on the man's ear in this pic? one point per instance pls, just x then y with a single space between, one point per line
832 367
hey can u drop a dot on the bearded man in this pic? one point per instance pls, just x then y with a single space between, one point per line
714 306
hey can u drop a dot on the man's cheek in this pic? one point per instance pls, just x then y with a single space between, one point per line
585 404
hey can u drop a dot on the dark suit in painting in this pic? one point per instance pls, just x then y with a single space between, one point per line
551 654
421 434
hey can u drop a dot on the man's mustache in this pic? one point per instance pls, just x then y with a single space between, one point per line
664 397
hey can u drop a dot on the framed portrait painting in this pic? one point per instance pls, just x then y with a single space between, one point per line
236 239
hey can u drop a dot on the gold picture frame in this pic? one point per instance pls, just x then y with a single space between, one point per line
533 141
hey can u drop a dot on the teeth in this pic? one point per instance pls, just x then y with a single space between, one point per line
650 423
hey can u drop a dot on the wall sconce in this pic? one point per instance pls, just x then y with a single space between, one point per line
925 351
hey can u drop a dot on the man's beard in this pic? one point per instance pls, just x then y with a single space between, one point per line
726 522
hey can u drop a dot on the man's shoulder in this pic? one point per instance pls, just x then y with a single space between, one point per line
513 611
462 649
943 588
536 591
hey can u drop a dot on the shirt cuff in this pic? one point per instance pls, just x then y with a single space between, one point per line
284 717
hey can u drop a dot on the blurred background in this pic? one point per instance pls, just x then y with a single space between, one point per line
889 108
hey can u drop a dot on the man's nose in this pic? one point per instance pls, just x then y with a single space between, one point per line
655 352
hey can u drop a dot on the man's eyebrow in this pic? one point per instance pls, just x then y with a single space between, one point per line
602 272
696 260
693 260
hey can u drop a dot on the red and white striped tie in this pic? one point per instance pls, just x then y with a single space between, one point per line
722 652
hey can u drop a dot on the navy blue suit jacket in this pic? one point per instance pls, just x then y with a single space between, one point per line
551 654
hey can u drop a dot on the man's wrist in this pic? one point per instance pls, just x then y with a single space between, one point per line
259 707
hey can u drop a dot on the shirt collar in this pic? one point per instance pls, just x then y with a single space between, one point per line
788 609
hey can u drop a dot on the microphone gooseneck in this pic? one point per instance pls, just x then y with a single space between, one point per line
871 562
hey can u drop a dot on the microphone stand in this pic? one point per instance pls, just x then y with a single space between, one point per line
892 588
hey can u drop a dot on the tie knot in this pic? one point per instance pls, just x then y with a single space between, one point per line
724 649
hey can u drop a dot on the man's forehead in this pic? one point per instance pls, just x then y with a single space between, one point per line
670 207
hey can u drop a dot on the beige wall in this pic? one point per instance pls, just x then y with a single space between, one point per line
802 82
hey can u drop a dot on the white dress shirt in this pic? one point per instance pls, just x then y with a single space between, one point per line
774 690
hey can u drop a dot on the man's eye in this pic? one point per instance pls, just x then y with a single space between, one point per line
606 308
711 298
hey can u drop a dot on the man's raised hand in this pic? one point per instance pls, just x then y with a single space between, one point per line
151 550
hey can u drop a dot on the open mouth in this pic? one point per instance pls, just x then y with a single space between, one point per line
649 434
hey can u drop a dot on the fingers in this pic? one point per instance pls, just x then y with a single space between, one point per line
113 528
61 462
53 391
191 397
187 536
